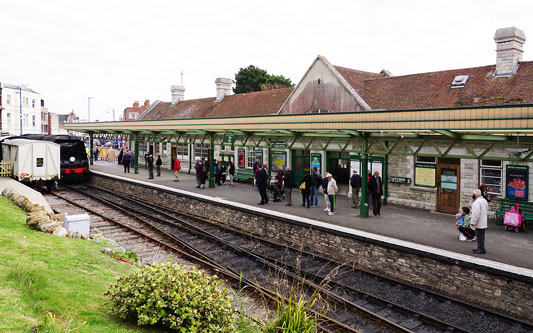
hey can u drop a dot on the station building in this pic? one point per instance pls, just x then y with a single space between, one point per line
434 136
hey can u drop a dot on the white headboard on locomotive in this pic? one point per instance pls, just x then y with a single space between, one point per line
33 160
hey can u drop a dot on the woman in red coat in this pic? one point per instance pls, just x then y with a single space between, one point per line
177 168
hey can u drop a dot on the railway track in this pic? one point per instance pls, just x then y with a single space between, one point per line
358 301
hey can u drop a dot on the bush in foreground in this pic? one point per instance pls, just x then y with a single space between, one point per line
170 295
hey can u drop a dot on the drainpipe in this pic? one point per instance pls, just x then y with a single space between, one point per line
386 175
136 144
211 161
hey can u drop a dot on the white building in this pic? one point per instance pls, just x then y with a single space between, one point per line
17 100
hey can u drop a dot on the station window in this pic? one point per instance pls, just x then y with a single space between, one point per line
182 150
491 174
426 159
33 121
157 148
250 158
201 151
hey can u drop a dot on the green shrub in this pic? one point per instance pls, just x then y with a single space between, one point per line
170 295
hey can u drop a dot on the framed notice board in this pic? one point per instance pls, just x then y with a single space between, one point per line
425 175
316 161
517 178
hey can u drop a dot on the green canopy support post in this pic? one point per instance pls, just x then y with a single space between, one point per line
91 148
363 210
190 157
386 175
212 162
269 169
136 145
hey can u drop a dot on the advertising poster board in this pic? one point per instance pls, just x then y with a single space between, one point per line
517 182
279 160
241 156
425 175
316 161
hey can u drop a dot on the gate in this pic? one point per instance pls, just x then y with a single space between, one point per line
5 168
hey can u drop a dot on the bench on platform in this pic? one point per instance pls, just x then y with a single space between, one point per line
525 207
246 175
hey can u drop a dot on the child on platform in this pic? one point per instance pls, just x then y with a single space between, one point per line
464 231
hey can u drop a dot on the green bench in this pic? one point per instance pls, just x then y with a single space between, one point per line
526 208
246 175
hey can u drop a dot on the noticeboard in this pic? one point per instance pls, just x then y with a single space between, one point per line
278 160
517 178
425 175
316 161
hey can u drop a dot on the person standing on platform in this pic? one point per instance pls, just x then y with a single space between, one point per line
231 173
305 188
332 193
315 185
150 162
223 172
288 184
96 151
120 156
355 183
478 220
375 185
218 173
325 191
158 165
262 182
126 161
177 168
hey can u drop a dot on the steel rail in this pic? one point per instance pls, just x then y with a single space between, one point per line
206 260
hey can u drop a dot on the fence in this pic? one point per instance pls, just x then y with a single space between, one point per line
5 168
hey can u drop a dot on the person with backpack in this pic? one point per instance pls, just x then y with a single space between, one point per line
315 185
305 187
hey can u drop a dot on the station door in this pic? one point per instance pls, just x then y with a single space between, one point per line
448 186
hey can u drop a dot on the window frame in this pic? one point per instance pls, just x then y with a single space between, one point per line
203 151
499 168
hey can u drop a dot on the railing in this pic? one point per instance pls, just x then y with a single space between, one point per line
5 168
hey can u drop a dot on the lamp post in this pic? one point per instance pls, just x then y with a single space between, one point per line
19 88
113 112
89 108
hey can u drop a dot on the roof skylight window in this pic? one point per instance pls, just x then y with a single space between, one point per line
459 81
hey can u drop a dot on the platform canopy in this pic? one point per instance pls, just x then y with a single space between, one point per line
475 131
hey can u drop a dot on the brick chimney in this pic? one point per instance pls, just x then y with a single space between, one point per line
223 87
136 104
509 42
146 103
178 93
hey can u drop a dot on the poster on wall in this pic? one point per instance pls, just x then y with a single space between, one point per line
241 154
517 181
425 175
279 160
316 161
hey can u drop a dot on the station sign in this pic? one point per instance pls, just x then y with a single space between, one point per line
229 138
400 180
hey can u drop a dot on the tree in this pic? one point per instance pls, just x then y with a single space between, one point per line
254 78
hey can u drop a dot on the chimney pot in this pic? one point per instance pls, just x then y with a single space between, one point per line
509 43
147 103
223 87
178 93
136 104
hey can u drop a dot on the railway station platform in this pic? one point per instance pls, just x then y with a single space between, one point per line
436 230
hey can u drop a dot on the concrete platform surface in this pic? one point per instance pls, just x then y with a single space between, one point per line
32 195
411 225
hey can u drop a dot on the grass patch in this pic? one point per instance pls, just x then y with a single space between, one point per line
53 283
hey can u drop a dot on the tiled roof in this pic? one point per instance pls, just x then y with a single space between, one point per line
251 104
432 90
248 104
357 78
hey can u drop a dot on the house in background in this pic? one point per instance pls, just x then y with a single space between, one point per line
20 102
134 112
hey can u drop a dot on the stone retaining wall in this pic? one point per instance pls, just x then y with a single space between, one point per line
490 288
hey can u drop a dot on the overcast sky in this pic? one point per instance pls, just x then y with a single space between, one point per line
122 51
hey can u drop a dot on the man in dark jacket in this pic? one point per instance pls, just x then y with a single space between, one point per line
262 182
355 183
158 165
375 186
288 184
315 185
150 162
126 160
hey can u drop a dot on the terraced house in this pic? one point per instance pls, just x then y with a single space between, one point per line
435 136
